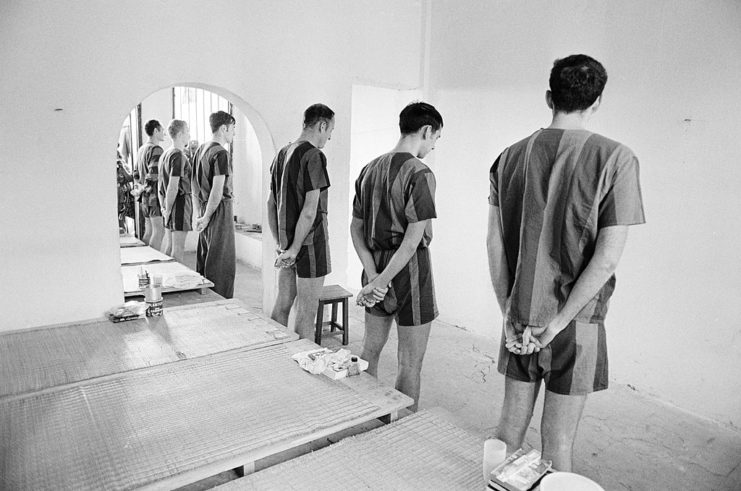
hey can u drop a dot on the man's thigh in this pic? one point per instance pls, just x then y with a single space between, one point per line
309 288
519 401
286 286
377 329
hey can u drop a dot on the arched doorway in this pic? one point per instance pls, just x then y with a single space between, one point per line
252 152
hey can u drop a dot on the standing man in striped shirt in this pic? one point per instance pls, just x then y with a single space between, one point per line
212 206
175 191
391 230
146 175
297 215
561 202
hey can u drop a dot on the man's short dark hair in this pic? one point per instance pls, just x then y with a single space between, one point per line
576 82
219 118
418 114
151 125
317 113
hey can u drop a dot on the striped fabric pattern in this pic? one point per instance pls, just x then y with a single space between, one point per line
297 169
555 190
147 170
211 160
174 163
392 191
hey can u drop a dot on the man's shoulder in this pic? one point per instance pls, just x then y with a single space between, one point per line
408 163
609 145
309 153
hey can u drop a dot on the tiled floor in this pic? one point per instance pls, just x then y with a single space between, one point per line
626 441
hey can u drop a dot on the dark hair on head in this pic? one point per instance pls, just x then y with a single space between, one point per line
418 114
219 118
317 113
175 127
576 82
151 125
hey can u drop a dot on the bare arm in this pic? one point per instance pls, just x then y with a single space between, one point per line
607 252
170 195
214 199
498 269
303 226
365 255
273 219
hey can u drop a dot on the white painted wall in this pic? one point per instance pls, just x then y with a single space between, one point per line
272 59
672 96
249 199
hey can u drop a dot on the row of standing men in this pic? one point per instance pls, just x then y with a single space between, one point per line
560 203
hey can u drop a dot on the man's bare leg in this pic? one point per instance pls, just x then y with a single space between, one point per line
158 232
308 291
411 354
147 230
561 415
286 295
167 242
517 411
375 337
177 245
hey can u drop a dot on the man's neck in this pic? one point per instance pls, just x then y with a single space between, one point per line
408 144
308 136
151 141
220 140
576 120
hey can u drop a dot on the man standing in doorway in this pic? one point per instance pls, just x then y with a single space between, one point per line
212 203
561 202
146 175
391 230
297 215
174 190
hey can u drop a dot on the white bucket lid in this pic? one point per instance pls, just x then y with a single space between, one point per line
568 481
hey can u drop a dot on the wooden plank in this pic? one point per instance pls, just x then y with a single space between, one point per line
171 425
142 255
176 277
45 357
421 451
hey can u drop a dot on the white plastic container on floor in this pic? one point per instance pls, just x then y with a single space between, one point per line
495 451
568 481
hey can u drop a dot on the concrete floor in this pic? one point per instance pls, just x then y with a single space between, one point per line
626 440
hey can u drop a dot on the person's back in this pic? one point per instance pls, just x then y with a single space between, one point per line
561 202
391 230
557 188
386 187
297 217
292 179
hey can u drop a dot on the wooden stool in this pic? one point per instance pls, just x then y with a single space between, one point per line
332 295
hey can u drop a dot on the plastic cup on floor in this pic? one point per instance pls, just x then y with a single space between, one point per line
495 451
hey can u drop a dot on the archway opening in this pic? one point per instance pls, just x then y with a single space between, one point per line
251 151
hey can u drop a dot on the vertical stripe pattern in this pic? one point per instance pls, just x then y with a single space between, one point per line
555 190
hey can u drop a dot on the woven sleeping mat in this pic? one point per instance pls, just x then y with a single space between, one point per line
129 241
142 254
46 357
421 451
175 277
141 427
